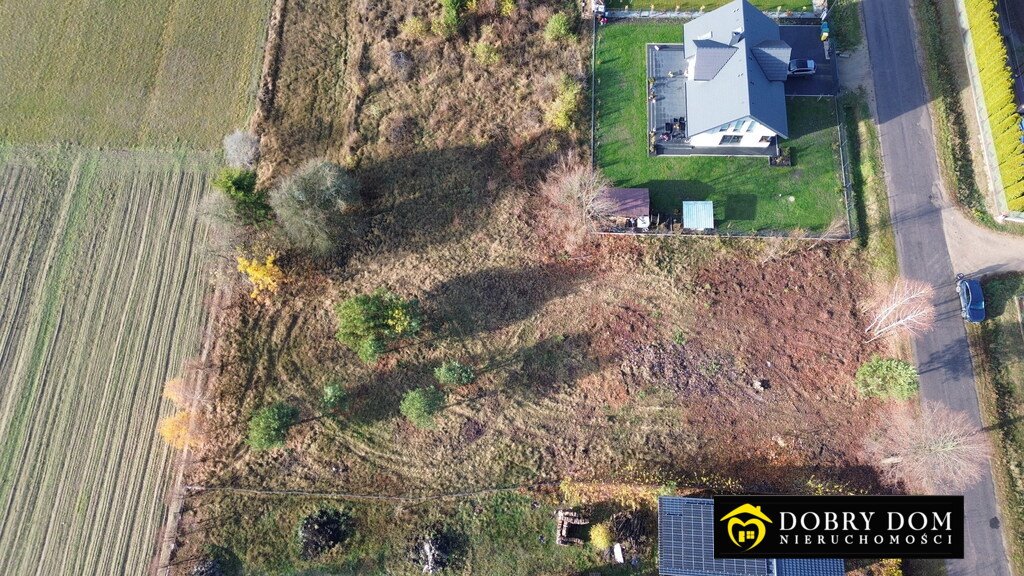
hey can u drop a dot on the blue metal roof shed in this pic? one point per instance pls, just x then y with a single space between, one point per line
699 215
686 546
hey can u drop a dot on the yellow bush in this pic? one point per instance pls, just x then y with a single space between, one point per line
997 87
601 536
264 275
892 567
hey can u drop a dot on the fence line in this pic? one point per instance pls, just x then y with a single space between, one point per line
367 497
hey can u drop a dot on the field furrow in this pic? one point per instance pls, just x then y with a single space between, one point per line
103 273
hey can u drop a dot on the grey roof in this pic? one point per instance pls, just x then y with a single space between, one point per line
626 202
773 56
686 544
739 87
711 57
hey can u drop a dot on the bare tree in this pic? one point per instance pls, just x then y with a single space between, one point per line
906 308
575 192
241 149
927 448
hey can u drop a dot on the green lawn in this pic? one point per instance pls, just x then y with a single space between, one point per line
748 194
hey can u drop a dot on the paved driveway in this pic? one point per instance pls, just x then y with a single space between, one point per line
916 200
806 44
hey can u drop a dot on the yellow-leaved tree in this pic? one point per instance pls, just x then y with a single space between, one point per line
181 429
264 274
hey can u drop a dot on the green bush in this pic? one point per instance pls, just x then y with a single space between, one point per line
269 426
559 27
486 54
335 397
315 206
567 105
367 323
420 406
239 185
453 373
451 18
887 378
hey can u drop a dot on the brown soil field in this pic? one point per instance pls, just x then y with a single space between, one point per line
102 289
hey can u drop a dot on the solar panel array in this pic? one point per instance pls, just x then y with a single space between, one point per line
810 567
686 542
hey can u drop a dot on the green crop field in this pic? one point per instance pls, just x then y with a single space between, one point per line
749 195
102 287
128 72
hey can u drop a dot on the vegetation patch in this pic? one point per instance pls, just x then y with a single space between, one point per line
954 140
749 195
887 378
1000 341
997 81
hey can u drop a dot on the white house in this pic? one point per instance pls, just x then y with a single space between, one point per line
736 68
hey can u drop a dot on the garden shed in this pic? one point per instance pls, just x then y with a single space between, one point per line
699 215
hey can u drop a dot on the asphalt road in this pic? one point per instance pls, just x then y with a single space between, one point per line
915 197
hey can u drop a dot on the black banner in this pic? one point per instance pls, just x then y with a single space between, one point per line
839 526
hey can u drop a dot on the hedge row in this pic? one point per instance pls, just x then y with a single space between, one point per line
997 85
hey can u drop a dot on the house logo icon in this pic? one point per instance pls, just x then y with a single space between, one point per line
746 526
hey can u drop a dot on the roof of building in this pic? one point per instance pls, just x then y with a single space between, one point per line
738 53
686 543
626 202
698 215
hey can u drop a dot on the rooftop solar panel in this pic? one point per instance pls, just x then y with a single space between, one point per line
686 542
810 567
686 546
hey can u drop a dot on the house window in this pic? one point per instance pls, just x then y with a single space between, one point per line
723 127
766 138
731 139
737 125
751 126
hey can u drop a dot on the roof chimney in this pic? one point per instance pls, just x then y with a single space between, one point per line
737 35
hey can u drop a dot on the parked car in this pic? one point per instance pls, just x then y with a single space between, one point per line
972 301
802 68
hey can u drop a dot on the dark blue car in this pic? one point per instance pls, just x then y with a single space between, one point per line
972 302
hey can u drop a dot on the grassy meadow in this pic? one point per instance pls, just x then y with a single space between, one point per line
749 195
130 72
1000 343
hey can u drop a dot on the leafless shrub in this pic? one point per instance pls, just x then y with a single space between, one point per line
573 203
907 308
314 206
927 449
402 65
241 149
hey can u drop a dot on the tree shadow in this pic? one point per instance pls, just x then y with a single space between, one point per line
431 197
494 298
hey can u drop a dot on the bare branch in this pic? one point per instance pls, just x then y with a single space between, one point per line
906 308
929 449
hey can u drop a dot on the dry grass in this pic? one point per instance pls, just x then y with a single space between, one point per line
128 73
632 350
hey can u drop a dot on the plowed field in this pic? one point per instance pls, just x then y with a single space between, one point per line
102 292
